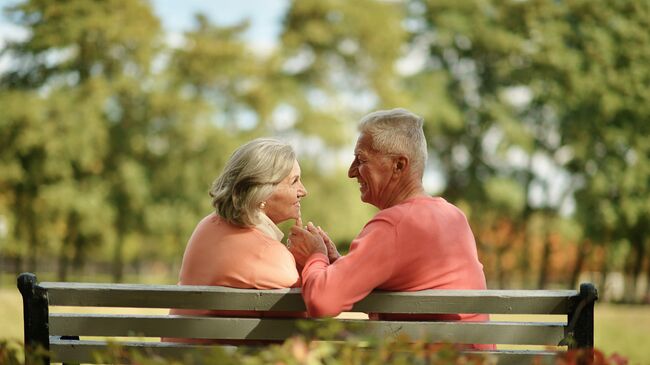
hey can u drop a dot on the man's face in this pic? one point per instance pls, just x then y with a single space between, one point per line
372 170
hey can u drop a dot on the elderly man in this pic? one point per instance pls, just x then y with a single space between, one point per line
414 242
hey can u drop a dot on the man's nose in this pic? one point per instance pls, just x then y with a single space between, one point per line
352 171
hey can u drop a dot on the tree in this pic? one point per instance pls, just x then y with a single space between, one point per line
544 83
86 63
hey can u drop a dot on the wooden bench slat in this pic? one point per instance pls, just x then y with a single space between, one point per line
76 351
223 298
82 351
71 324
468 301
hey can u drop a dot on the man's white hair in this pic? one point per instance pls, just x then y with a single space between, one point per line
397 131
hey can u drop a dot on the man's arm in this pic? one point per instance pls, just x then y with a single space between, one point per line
329 289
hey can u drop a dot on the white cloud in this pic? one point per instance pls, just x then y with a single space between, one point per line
9 32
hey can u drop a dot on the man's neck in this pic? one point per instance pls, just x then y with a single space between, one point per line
405 190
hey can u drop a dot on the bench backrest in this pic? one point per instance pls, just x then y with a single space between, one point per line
571 314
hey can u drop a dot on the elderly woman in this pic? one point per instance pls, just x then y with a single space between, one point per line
414 242
238 245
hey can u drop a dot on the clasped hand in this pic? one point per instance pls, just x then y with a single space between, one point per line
306 241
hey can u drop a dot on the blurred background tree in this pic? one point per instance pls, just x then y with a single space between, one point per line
536 117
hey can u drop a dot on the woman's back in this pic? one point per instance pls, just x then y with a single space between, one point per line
219 253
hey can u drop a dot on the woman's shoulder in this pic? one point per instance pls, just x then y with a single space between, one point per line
213 222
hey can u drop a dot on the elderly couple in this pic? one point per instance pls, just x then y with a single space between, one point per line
414 242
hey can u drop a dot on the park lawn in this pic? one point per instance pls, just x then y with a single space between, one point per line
11 314
621 329
624 329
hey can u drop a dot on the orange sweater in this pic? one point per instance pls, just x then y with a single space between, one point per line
219 253
422 243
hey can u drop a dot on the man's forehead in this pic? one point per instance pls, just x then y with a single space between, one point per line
364 145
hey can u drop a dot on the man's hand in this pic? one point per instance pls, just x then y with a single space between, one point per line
332 252
303 243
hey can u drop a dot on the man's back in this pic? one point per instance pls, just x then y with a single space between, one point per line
435 245
421 243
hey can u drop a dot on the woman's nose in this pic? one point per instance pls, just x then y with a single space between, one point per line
302 192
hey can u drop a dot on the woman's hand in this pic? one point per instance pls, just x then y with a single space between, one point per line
303 243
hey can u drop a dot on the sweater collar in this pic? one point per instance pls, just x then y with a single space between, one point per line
266 226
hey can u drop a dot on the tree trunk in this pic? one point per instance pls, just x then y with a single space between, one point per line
646 299
546 259
638 255
498 260
62 272
32 233
18 264
524 258
604 271
64 254
79 254
583 250
118 259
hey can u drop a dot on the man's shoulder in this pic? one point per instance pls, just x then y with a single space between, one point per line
418 210
409 208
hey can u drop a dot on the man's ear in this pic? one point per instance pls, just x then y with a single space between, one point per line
400 164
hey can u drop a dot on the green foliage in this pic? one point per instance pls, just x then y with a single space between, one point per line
110 137
12 353
542 81
106 157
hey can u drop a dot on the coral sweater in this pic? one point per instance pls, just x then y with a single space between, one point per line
219 253
421 243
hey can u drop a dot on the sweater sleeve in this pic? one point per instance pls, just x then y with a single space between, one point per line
276 268
329 290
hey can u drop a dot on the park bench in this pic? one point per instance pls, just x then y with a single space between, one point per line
60 332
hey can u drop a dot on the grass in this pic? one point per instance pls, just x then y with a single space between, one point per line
11 314
624 329
619 329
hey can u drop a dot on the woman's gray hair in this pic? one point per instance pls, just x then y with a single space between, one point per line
249 177
397 131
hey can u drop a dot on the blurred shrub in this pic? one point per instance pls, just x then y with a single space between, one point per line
340 349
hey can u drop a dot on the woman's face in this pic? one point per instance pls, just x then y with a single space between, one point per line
284 202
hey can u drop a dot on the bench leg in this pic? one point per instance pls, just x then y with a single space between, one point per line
35 316
581 318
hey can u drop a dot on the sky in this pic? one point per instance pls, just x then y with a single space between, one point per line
178 15
265 16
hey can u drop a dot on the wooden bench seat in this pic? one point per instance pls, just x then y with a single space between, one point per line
571 314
